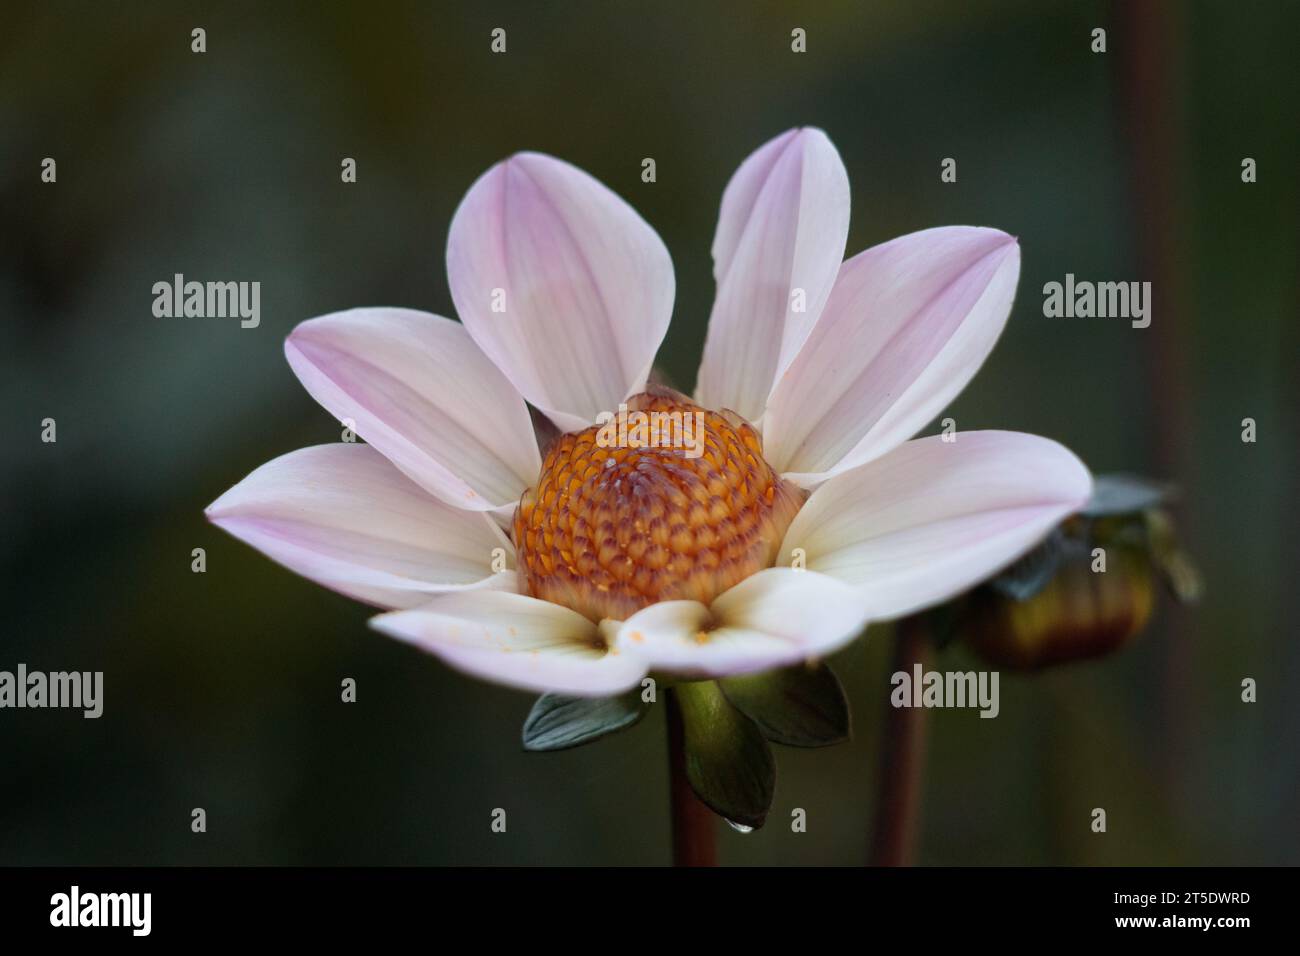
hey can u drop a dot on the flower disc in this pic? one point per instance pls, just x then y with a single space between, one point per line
666 501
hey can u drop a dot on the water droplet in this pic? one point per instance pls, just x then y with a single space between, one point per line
739 827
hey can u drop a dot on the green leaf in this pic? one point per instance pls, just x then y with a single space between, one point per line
728 762
797 706
1124 494
558 723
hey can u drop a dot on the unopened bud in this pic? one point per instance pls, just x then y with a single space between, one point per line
1080 613
1088 589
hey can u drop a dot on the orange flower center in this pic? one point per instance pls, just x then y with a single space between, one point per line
666 501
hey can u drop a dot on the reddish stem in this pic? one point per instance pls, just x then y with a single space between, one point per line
902 758
694 824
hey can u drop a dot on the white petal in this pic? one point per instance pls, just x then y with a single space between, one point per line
422 393
933 518
561 283
518 641
780 239
776 617
343 516
907 325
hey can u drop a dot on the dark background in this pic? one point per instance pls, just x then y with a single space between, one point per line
222 689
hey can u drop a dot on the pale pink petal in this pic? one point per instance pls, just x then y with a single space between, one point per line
562 285
675 636
930 519
518 641
343 516
420 391
780 239
907 325
776 617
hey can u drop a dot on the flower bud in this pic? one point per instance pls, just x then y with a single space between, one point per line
1087 590
1079 613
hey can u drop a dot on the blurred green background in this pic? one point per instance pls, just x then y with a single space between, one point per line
222 689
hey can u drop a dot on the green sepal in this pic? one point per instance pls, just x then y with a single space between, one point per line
1175 566
557 722
799 706
728 762
1027 576
1124 494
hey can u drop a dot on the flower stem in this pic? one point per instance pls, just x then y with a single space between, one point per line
694 824
1154 85
902 757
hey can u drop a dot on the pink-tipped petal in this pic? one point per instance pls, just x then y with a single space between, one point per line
774 618
518 641
418 389
780 239
932 518
906 327
562 285
343 516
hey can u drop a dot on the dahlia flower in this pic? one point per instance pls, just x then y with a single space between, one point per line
580 567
